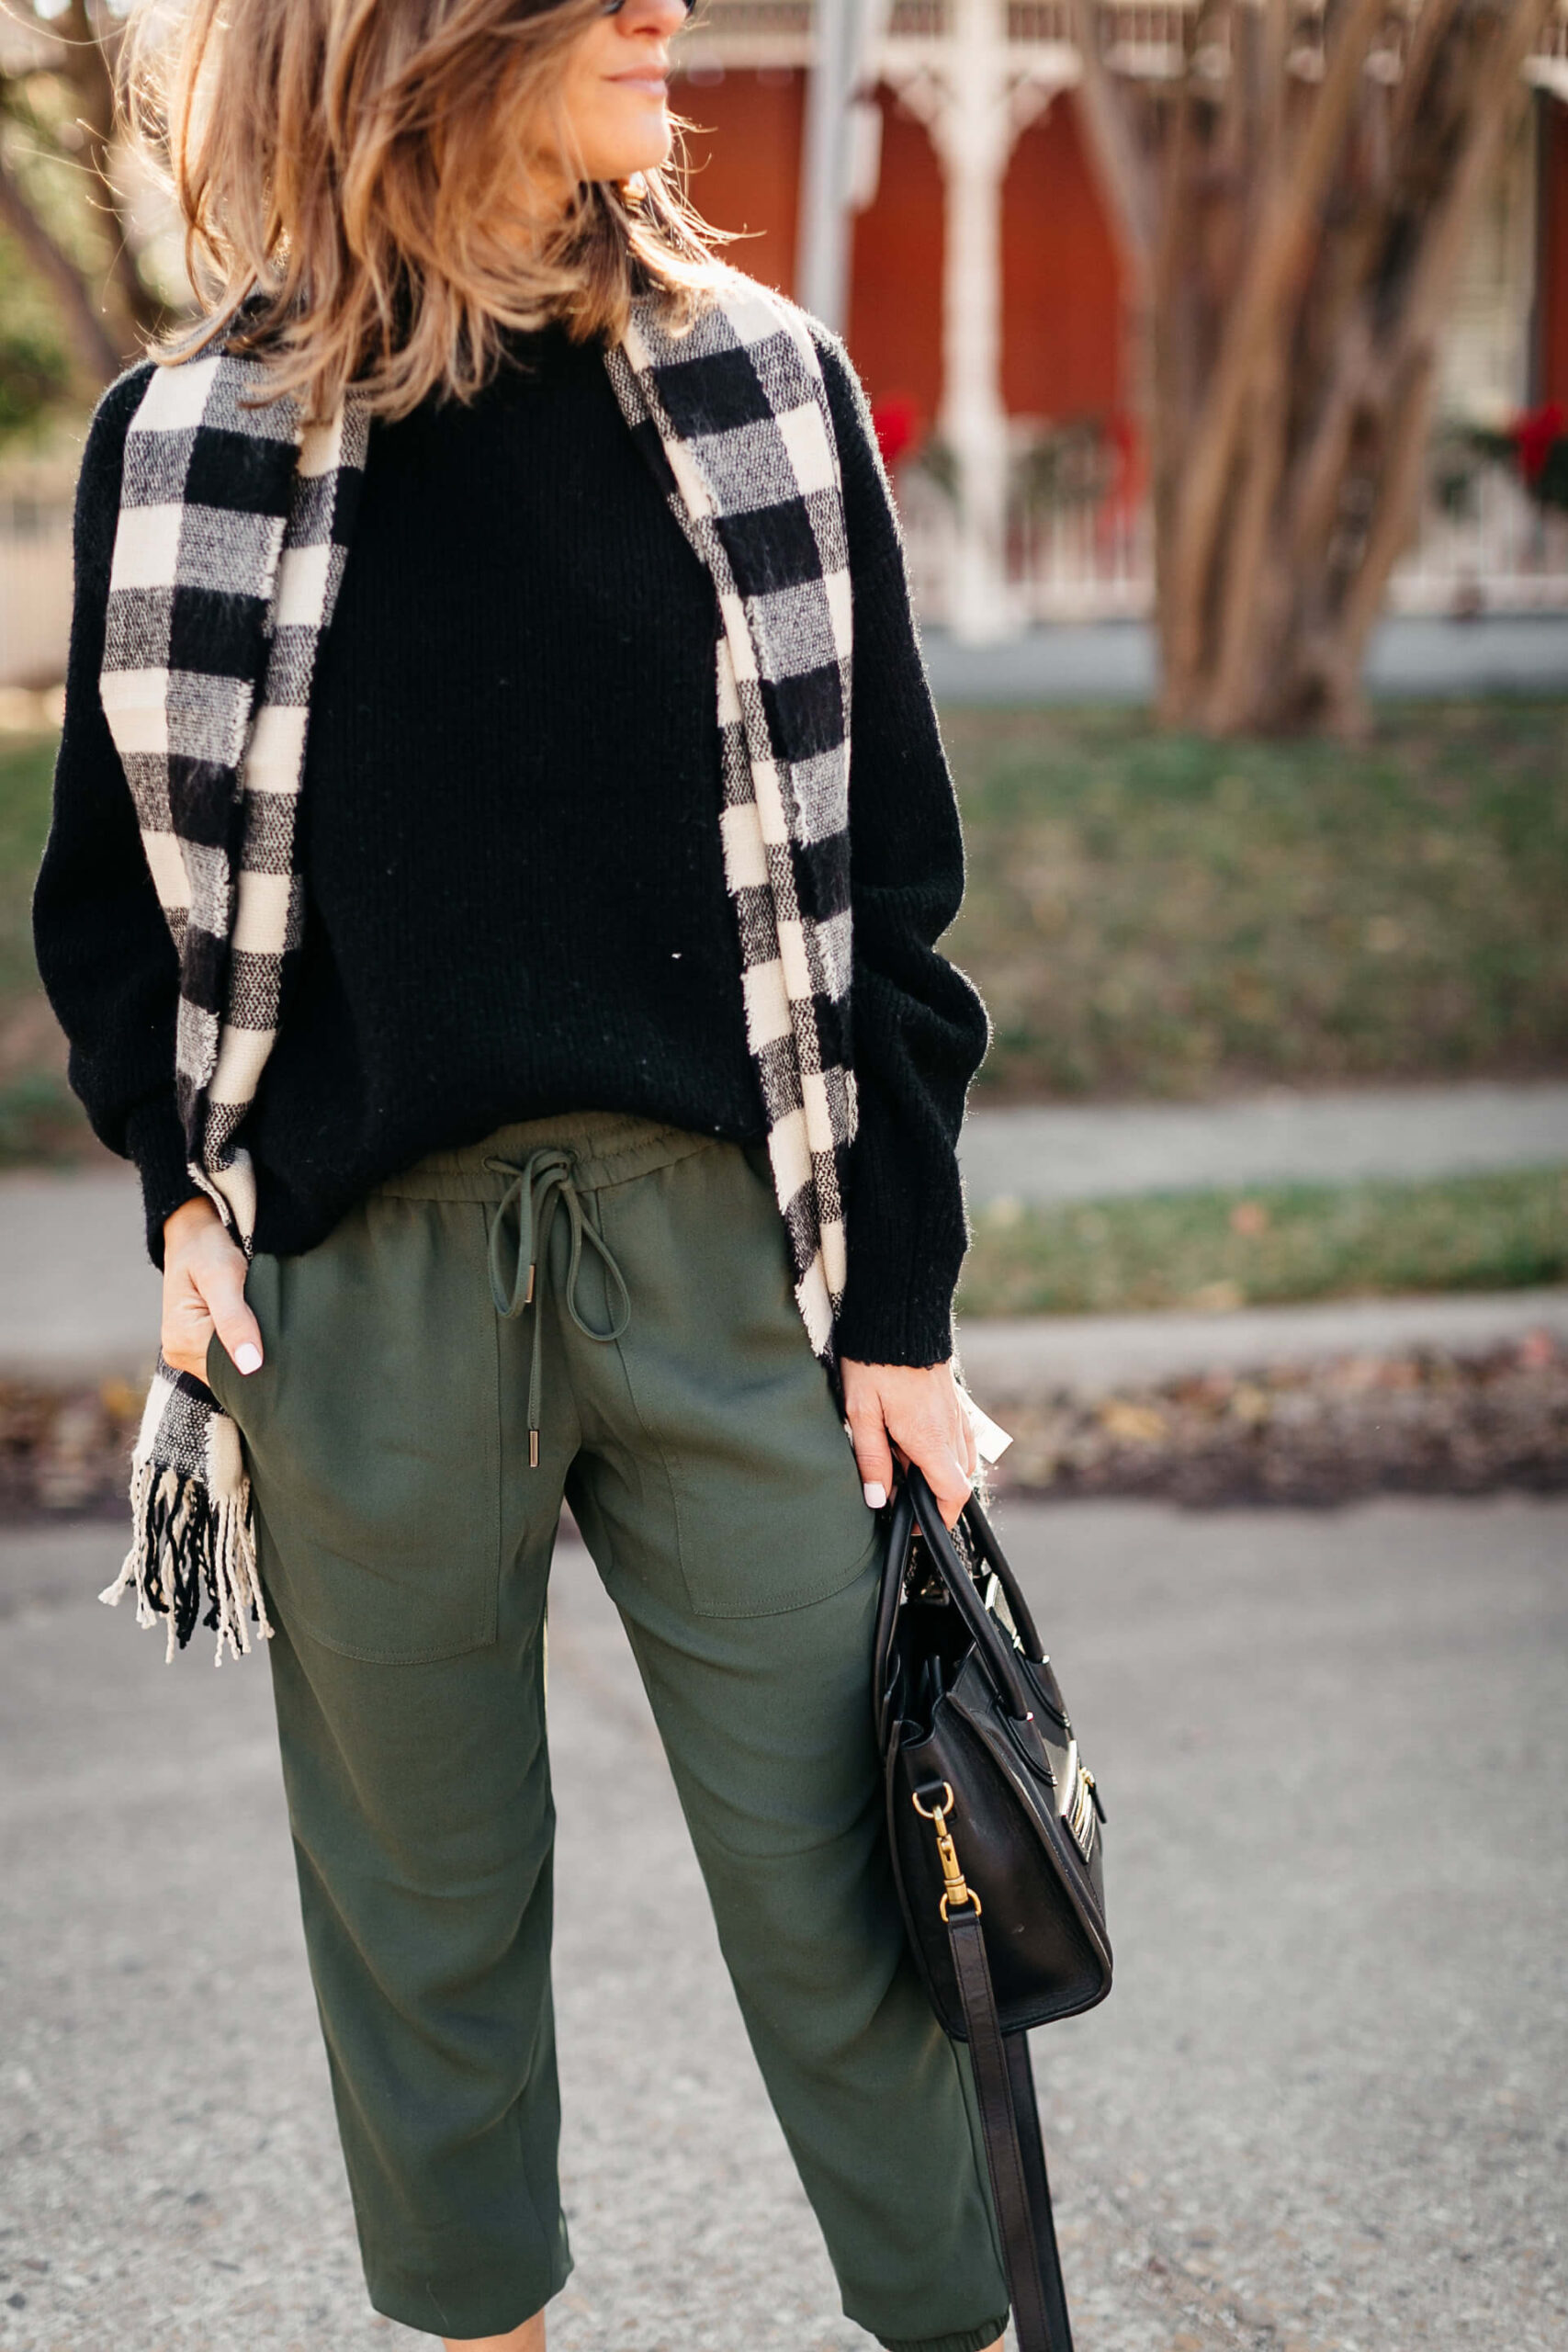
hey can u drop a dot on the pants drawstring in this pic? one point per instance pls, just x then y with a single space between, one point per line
538 1187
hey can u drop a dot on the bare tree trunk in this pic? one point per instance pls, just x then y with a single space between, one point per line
106 310
1294 208
95 355
92 35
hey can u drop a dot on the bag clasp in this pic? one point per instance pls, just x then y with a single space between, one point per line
956 1889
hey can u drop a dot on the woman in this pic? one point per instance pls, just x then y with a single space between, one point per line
541 1075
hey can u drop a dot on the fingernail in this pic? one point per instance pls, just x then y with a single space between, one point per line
247 1356
875 1495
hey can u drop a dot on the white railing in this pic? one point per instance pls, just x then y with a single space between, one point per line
1153 35
1094 560
1082 562
1502 552
1044 24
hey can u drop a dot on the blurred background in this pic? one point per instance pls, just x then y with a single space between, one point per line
1218 352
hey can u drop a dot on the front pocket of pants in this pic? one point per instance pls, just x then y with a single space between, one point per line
372 1433
768 1503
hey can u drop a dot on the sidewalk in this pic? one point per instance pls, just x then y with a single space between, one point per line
78 1299
1099 661
1088 1355
1406 1134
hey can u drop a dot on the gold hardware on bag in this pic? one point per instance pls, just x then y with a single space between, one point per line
1080 1813
954 1891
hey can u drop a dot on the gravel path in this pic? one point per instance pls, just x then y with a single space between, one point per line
1322 2112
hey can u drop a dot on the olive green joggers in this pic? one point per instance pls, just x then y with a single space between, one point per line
663 1378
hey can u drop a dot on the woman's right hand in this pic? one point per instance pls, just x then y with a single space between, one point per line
204 1291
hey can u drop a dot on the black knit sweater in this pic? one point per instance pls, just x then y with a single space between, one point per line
516 900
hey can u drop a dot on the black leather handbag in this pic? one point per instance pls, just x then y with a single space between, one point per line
996 1829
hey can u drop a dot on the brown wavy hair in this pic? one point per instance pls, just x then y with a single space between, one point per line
348 173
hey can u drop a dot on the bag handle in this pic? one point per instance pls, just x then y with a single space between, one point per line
996 1559
997 1654
984 1536
900 1527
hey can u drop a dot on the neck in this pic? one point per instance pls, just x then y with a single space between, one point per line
543 200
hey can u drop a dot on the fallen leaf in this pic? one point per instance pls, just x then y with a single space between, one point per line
1135 1424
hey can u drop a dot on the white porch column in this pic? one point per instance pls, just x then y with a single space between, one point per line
973 133
975 91
843 38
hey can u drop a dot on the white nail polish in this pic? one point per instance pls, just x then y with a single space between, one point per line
247 1356
875 1495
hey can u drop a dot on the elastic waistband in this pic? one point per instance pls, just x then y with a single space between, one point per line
607 1146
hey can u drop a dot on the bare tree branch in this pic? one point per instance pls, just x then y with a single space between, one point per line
1247 614
1274 260
1497 99
105 309
90 67
1124 174
93 351
1296 237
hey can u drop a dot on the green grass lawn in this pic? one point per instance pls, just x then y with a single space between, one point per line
1220 1251
1157 915
40 1119
27 765
1153 915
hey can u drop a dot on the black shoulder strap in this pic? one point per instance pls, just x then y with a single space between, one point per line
1015 2154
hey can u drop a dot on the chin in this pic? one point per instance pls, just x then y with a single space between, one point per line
643 145
630 161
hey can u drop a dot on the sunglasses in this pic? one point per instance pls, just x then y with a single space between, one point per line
613 7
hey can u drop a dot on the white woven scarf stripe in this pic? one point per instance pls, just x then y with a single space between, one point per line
733 474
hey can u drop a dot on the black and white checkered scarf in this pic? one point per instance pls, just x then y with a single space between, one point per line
234 529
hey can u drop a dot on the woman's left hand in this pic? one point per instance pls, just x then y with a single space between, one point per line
916 1412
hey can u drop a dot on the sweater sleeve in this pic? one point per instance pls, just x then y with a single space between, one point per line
103 947
920 1030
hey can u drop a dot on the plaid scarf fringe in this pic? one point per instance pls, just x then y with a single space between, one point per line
193 1522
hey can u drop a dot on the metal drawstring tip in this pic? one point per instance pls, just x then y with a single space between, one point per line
533 1449
528 1294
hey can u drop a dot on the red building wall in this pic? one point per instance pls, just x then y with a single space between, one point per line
1061 290
1061 279
895 313
744 149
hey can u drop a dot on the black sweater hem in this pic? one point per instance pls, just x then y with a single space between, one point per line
514 891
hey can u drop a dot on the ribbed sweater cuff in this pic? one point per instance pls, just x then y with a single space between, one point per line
155 1140
896 1309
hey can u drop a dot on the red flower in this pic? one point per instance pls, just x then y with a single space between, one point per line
1127 458
1533 433
897 422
